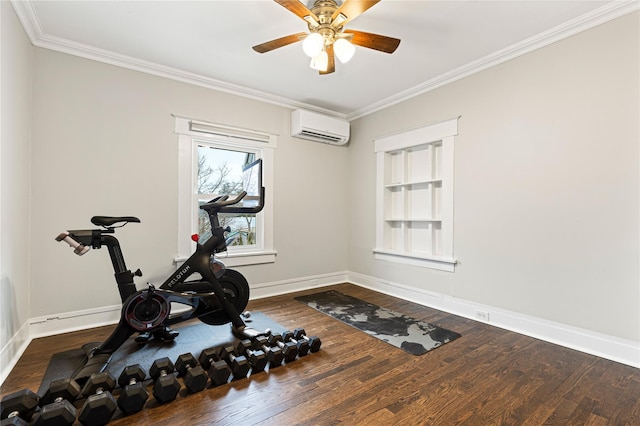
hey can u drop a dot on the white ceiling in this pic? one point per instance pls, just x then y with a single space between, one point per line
209 43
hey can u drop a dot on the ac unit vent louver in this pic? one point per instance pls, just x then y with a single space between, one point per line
319 127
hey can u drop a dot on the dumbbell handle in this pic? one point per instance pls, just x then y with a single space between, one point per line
290 351
265 348
298 342
247 351
280 343
232 356
164 373
301 334
213 358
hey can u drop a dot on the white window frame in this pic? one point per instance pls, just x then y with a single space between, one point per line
192 132
399 227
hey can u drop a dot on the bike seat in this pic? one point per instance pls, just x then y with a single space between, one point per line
112 220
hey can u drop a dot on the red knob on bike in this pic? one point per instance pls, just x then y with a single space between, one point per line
195 237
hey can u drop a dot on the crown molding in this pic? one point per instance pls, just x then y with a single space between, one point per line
582 23
27 16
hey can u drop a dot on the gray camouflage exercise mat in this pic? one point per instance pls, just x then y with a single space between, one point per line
406 333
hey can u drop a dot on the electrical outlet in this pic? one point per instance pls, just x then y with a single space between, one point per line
482 316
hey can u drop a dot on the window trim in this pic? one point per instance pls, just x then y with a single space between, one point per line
189 133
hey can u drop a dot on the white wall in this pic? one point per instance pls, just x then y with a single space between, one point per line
15 182
103 144
546 184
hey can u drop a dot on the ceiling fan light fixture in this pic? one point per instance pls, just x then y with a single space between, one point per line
320 62
344 50
312 44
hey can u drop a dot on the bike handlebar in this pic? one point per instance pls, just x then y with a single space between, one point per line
224 205
222 201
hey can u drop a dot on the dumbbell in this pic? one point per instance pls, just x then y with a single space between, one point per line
195 378
134 392
257 358
274 355
302 345
289 349
239 364
18 407
219 370
100 404
314 341
166 386
57 403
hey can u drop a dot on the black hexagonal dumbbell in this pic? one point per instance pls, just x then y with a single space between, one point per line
257 358
100 404
289 349
18 407
239 363
195 378
134 392
166 386
302 345
274 354
57 404
219 370
314 341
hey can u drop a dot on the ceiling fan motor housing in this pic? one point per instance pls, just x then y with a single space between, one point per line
324 10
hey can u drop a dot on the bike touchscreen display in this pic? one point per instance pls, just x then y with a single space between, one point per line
252 183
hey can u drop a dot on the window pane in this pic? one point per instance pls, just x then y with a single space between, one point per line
220 173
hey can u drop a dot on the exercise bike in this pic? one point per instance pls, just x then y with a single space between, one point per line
217 298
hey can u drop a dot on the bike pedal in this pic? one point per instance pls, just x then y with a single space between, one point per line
143 338
166 335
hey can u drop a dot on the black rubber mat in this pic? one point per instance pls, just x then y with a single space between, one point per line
406 333
194 337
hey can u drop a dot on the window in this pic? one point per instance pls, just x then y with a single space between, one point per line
211 162
414 200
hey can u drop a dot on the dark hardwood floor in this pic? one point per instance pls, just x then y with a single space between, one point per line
487 377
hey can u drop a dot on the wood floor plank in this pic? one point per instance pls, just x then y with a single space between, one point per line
488 376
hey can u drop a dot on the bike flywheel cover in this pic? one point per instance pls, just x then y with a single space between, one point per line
145 312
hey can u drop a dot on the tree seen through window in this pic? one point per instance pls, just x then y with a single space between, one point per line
220 173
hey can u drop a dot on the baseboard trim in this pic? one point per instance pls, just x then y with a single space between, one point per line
54 324
276 288
13 350
605 346
602 345
51 325
73 321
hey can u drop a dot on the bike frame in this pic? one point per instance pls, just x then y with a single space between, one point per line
205 296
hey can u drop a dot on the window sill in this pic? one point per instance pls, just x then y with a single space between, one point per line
434 262
240 259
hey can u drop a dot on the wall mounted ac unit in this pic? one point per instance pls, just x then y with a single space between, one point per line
319 127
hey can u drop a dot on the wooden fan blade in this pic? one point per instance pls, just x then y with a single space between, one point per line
374 41
331 66
296 7
279 42
353 8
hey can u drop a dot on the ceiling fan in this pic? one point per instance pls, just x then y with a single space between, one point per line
327 37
